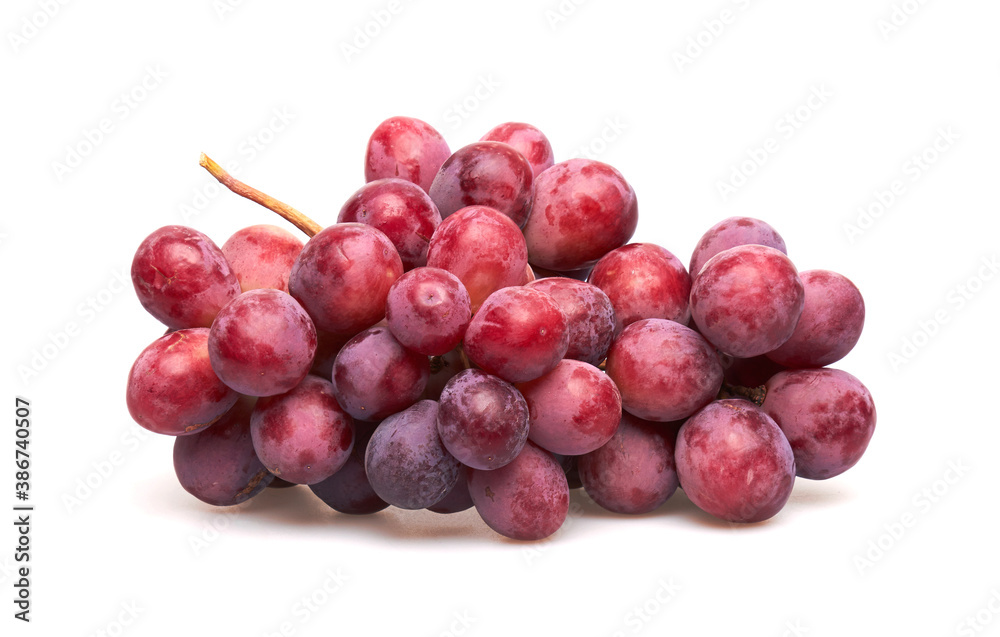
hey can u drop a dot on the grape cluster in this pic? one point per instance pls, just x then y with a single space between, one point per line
477 331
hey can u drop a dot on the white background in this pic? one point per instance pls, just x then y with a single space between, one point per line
133 554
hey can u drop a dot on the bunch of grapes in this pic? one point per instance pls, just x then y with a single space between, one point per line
476 331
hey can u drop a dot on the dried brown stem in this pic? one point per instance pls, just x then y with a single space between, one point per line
299 220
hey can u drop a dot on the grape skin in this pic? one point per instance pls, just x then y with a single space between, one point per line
582 210
406 462
527 140
634 471
732 232
527 499
343 275
734 463
182 278
428 311
482 420
485 174
375 376
407 148
262 256
665 371
483 248
827 415
833 316
518 334
643 281
401 210
303 435
262 343
219 465
172 388
747 300
590 316
574 409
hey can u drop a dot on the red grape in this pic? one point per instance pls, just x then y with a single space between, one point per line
407 148
171 387
574 409
348 490
428 310
262 256
303 435
732 232
518 334
665 371
634 471
484 174
218 465
482 420
827 415
343 275
589 315
527 499
182 278
527 140
643 281
747 300
262 343
734 462
830 325
483 248
374 375
582 210
401 210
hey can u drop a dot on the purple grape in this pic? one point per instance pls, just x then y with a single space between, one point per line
428 310
643 281
634 471
746 300
182 278
734 462
485 174
375 376
527 140
302 436
401 210
590 317
406 462
573 409
732 232
827 415
407 148
527 499
482 420
218 465
343 275
172 389
518 334
456 501
348 491
262 343
582 210
830 325
665 371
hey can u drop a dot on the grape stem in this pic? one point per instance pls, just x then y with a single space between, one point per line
755 395
299 220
